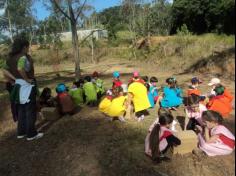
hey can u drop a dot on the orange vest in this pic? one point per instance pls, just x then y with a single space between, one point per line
228 95
220 104
193 91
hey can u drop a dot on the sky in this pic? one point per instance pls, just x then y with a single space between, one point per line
99 5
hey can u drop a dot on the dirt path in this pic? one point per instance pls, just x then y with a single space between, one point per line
88 144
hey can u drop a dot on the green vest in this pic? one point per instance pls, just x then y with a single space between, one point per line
90 92
77 96
99 86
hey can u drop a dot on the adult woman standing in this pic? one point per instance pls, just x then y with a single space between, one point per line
20 65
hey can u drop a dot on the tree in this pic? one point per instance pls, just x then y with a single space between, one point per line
19 18
73 10
160 18
203 16
113 20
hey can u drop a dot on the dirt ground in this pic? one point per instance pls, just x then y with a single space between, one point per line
89 144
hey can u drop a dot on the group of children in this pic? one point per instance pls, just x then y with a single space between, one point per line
205 116
205 112
87 90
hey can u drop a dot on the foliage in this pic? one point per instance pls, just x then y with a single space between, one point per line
203 16
49 33
18 18
112 19
160 18
183 31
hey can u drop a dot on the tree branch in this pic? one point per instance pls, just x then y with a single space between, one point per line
89 36
59 8
80 10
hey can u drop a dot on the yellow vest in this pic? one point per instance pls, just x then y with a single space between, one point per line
140 96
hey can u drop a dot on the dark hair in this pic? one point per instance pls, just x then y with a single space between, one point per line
195 80
87 78
153 79
212 116
145 78
147 86
18 45
46 93
171 81
192 99
117 90
219 89
76 83
164 119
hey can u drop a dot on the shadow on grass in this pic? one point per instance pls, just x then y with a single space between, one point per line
73 144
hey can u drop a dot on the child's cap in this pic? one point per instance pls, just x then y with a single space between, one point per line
214 81
60 88
171 80
109 92
95 74
136 74
219 89
116 74
196 80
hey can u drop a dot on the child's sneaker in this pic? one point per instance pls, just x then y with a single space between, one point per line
20 136
39 135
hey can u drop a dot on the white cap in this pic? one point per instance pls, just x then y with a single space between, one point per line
214 81
109 92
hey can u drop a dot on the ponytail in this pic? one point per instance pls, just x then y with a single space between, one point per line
154 142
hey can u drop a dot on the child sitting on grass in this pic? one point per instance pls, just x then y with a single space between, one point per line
106 102
153 88
116 80
150 96
99 85
216 139
90 92
160 138
220 102
194 109
193 88
118 105
136 78
46 99
76 92
172 95
64 100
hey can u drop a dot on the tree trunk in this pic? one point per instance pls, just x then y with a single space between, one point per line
92 47
10 26
75 49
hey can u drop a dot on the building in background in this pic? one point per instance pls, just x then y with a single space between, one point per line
96 33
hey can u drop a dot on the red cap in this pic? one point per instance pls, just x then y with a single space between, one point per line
95 74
